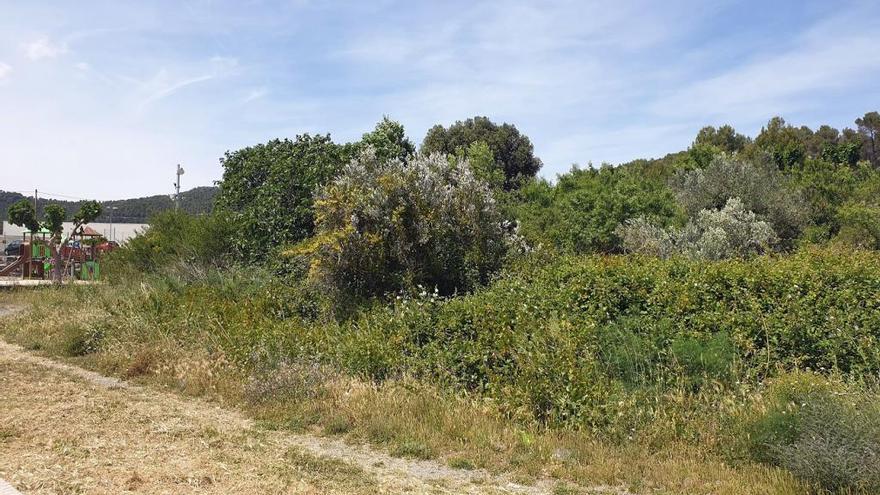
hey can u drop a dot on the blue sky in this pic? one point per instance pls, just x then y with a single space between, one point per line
102 99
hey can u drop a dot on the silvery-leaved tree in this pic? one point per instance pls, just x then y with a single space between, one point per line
384 225
23 214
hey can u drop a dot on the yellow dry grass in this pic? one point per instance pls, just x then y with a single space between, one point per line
72 432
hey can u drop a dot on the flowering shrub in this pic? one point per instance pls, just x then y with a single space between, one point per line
731 232
384 225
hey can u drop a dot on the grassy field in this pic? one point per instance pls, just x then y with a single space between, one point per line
187 337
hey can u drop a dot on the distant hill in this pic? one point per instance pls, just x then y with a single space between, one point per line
135 210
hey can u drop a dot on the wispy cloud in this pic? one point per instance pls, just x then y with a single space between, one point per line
44 48
255 94
586 80
171 87
832 54
163 84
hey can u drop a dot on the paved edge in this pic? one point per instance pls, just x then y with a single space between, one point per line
7 489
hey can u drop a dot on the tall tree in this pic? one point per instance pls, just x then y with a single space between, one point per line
512 151
269 189
869 127
389 141
784 143
724 138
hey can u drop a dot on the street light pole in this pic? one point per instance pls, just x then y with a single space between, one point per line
177 188
112 234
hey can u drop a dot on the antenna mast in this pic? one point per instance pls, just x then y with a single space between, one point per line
177 188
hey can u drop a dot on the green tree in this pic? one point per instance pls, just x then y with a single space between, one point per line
784 143
513 152
22 213
869 127
725 138
482 162
389 141
268 190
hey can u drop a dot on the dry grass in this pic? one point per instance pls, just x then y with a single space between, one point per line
66 433
404 418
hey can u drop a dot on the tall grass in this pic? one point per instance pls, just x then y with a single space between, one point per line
631 352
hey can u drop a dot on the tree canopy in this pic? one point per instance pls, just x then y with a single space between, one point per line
512 151
268 190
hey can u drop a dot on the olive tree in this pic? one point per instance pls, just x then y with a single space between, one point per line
729 232
761 187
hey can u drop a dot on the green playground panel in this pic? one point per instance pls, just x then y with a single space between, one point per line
90 270
40 251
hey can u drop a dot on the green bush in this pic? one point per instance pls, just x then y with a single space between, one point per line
178 240
625 346
581 212
385 226
824 432
268 190
564 339
763 189
859 225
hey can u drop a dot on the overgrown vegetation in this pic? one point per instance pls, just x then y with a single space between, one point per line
721 302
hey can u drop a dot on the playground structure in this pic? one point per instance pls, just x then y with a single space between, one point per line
80 257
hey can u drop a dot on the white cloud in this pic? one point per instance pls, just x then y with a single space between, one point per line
167 88
827 56
164 84
44 48
5 70
254 94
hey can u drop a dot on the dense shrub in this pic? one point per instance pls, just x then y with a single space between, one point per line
268 189
581 212
384 225
761 188
176 239
859 225
729 232
823 431
564 338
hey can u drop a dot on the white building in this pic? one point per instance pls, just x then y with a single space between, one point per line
120 232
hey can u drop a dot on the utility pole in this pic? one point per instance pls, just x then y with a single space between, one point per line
177 188
36 213
112 234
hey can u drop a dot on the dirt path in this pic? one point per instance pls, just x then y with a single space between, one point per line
68 430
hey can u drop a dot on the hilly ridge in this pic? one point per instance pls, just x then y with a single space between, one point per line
134 210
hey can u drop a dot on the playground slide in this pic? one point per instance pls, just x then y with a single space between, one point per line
11 267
